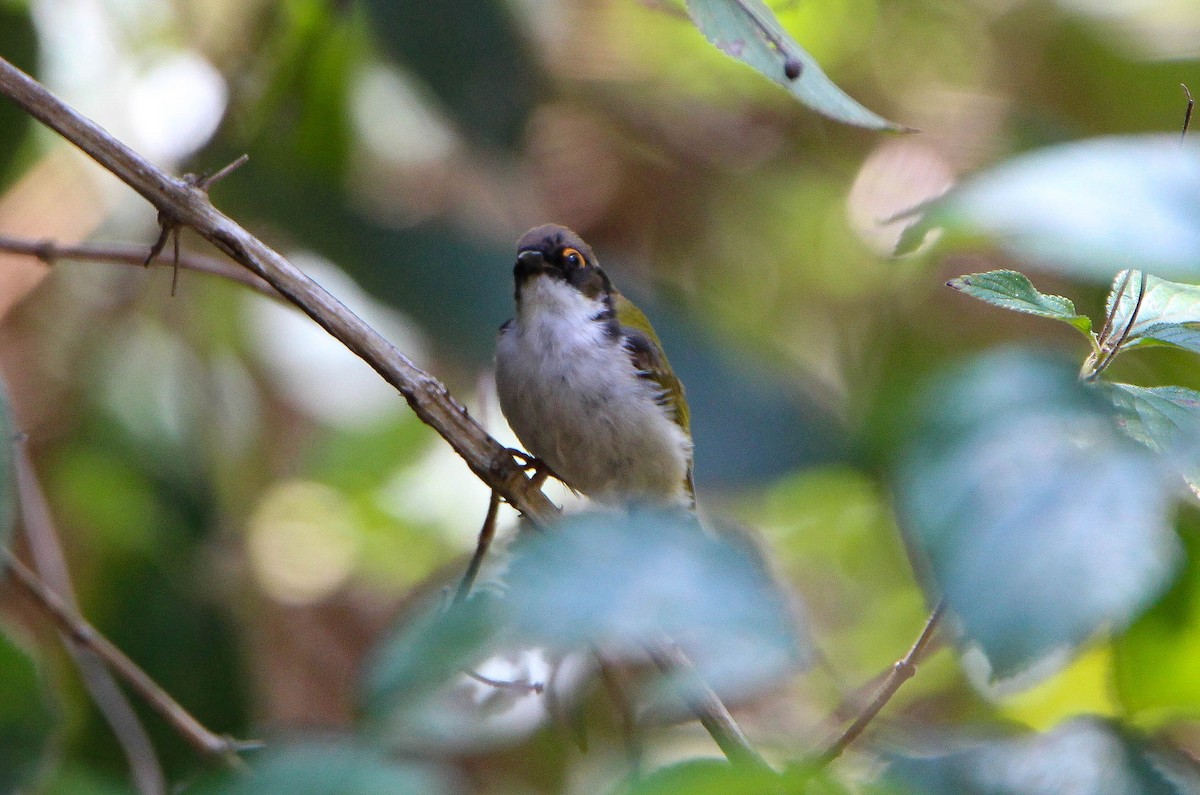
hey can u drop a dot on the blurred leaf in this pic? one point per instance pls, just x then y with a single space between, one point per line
1155 660
19 45
303 115
472 56
619 582
1085 755
1079 208
1166 419
718 777
26 720
1013 290
748 31
1040 522
334 767
426 652
1169 312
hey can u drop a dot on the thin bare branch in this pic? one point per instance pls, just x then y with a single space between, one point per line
187 204
84 634
901 672
708 707
50 253
46 550
486 534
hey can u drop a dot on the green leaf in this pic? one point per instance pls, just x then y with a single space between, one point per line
1155 660
748 31
1168 314
1013 290
1166 419
621 581
718 777
1039 520
1079 208
26 719
1084 755
334 767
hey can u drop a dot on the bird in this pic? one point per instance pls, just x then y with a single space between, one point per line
584 383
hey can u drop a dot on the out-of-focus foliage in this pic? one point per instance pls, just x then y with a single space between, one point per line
27 721
1015 469
1081 208
266 528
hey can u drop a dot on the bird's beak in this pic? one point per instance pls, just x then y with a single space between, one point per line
530 262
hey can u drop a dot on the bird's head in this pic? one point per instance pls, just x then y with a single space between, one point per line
555 252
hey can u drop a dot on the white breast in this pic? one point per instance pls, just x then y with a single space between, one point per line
574 399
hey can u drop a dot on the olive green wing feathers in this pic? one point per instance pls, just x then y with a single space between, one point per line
646 352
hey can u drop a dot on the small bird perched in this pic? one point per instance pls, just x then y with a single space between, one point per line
584 383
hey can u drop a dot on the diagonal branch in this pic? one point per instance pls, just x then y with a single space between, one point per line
46 551
84 634
185 203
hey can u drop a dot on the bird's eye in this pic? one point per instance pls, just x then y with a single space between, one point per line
572 257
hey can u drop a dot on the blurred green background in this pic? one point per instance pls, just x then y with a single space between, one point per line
246 507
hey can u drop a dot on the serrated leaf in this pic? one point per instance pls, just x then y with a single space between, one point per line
1166 419
1168 314
748 31
1085 755
1013 290
1039 520
620 582
332 767
1078 208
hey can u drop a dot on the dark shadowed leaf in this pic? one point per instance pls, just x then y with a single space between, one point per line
1040 522
622 581
26 720
1169 312
1166 419
332 767
471 55
748 31
1085 755
1013 290
1083 208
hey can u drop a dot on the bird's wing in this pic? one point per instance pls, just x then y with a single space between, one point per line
646 353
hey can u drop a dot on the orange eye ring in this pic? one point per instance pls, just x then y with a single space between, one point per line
572 257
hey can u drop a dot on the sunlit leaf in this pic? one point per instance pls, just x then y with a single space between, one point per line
718 777
1168 313
1085 755
1013 290
26 720
1155 659
1040 522
1165 419
333 767
1084 208
748 31
621 582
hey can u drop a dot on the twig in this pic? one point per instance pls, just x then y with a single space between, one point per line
47 554
708 707
50 252
83 633
486 534
188 204
1115 348
1187 114
901 672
